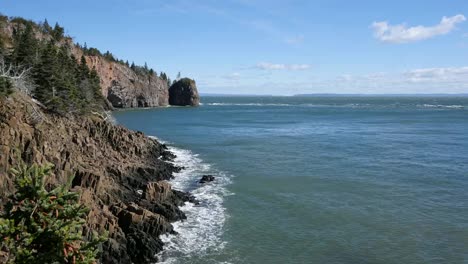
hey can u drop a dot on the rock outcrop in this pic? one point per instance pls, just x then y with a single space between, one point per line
206 178
110 163
184 93
124 87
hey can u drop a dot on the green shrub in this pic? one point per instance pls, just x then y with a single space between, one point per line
6 87
41 226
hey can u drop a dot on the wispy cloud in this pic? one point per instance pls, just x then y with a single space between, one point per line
402 34
277 66
295 40
451 74
232 76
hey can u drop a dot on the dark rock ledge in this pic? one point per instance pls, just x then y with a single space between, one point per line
110 164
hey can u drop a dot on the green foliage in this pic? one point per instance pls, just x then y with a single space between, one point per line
108 56
6 87
25 46
163 76
46 28
66 86
63 84
58 32
41 226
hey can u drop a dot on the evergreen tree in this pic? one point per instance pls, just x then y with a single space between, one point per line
47 28
6 87
45 75
24 47
83 68
58 32
41 226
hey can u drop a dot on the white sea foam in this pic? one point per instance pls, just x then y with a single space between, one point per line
158 139
201 232
246 104
442 106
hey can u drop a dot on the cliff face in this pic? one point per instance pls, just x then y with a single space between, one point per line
120 174
123 87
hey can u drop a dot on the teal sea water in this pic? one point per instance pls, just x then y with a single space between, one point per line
318 180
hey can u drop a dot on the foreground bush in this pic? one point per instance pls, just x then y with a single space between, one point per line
41 226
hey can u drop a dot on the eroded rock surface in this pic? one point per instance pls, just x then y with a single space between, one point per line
124 88
110 164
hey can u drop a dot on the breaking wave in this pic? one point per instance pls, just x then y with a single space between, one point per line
200 233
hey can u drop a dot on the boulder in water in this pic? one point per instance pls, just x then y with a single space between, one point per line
184 92
207 178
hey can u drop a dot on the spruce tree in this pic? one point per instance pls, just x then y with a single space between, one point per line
25 47
45 75
58 32
47 27
41 226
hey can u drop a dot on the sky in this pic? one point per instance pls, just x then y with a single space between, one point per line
277 47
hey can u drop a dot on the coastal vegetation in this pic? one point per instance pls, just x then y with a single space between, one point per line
54 98
41 226
38 60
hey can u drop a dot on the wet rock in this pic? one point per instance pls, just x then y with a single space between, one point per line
206 178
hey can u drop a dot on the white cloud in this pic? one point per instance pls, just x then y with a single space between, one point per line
452 74
274 66
403 34
233 76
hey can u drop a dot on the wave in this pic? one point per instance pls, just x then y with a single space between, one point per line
348 105
201 232
247 104
442 106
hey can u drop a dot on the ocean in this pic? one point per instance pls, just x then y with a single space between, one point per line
335 179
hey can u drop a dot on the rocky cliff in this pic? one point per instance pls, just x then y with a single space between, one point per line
184 93
122 85
125 88
120 174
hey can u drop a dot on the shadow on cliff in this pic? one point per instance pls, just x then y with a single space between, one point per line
121 174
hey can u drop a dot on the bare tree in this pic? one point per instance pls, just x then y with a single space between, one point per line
106 116
18 75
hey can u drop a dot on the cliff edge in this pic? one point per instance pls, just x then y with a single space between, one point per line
125 87
126 191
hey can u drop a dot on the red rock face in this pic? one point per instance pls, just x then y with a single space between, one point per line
123 87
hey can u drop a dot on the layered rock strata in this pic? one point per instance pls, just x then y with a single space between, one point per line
120 174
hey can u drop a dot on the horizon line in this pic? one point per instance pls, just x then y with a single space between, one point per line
338 94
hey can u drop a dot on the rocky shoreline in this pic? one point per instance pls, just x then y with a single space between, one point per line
121 174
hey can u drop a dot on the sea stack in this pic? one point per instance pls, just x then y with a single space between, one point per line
184 93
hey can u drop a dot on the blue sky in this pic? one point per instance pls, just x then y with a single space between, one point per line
277 47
